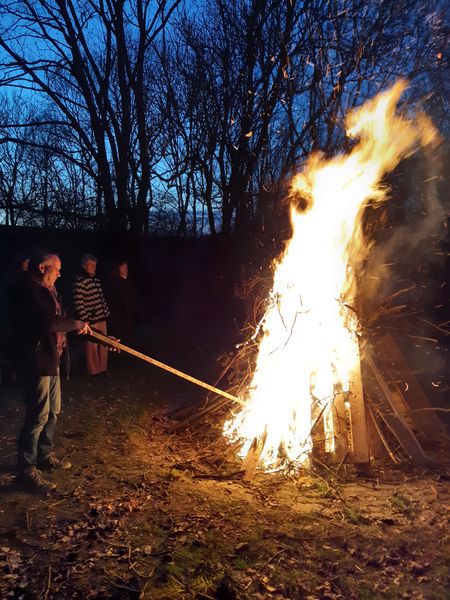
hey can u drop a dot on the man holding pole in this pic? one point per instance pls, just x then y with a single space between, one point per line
39 330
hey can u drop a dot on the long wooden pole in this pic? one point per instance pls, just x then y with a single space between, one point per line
119 346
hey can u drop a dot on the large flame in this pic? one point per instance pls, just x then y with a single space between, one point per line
309 347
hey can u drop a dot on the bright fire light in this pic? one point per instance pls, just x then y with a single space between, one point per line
309 347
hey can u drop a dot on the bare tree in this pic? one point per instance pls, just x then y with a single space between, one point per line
12 162
39 184
88 58
211 112
272 82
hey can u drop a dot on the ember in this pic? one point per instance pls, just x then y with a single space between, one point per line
308 358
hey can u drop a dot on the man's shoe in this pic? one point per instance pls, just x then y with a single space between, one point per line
31 480
52 462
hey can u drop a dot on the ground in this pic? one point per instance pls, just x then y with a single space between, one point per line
146 512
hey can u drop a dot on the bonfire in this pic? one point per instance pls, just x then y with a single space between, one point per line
307 375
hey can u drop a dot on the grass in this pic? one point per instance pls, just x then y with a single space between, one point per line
351 515
402 504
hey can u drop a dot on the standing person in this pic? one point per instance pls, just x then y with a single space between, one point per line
90 305
39 332
123 303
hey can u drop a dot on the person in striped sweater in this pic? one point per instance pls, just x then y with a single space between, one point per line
90 306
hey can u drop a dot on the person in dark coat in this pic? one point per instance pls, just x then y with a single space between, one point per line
39 333
123 303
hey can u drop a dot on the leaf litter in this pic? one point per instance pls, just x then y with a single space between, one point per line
149 512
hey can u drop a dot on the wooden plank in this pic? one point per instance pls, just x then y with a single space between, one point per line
318 431
252 459
427 420
340 433
394 417
359 453
113 343
378 444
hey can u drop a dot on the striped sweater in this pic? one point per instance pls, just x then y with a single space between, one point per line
88 299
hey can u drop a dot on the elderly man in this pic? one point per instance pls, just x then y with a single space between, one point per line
90 305
39 338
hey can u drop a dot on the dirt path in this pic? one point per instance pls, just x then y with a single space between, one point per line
148 514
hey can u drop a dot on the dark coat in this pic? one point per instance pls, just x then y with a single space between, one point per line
35 326
125 308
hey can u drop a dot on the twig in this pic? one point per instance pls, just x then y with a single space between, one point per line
120 586
30 560
419 337
437 409
435 326
316 474
49 582
56 503
319 462
342 462
264 566
149 576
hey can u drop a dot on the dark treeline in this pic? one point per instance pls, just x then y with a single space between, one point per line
185 118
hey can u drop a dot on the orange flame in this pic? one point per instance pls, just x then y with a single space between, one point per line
309 347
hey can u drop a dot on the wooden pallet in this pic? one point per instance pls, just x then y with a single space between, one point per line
392 410
423 419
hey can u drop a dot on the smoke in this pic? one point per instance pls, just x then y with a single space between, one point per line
408 230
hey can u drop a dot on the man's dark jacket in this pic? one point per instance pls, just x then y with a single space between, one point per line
35 324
